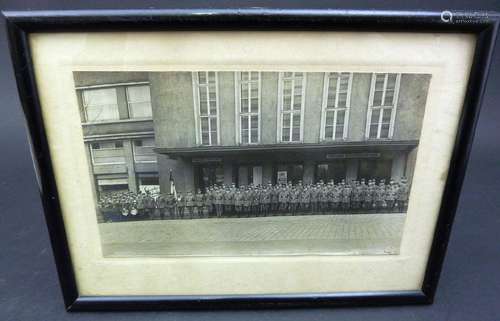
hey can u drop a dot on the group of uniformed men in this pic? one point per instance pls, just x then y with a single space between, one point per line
364 196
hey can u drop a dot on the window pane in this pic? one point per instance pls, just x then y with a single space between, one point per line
287 101
143 150
297 102
213 124
377 98
386 116
329 132
211 77
244 105
375 116
204 138
296 134
213 108
286 135
101 104
255 75
391 81
108 153
389 98
204 124
384 131
373 130
203 108
286 120
379 82
244 136
342 100
296 120
255 136
329 117
254 91
339 131
244 90
140 110
255 105
254 122
203 93
244 122
244 76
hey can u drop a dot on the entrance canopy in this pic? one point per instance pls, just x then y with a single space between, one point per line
337 150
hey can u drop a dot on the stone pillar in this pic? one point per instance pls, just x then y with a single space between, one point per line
129 162
398 166
100 218
352 170
308 177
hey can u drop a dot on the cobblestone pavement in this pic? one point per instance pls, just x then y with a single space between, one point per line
298 235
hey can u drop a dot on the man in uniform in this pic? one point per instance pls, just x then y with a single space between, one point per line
314 194
161 203
228 201
357 193
238 202
265 199
141 205
346 197
390 195
402 195
283 199
170 206
294 200
380 196
189 204
199 201
324 198
219 201
305 199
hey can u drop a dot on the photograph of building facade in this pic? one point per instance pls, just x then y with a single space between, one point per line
249 127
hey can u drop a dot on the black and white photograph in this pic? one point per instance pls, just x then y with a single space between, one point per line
243 162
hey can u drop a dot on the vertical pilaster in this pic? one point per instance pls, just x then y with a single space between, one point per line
129 161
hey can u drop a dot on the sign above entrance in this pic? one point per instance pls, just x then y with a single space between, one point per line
353 155
207 160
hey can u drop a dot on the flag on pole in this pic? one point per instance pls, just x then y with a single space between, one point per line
172 185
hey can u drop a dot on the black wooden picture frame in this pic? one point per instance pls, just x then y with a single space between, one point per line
21 23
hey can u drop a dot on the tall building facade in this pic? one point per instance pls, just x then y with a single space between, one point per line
245 128
116 114
260 127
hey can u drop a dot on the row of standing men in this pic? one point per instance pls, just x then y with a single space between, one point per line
363 196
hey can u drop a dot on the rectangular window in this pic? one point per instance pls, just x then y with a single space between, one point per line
139 101
100 104
382 105
207 107
107 153
249 107
291 106
336 105
143 150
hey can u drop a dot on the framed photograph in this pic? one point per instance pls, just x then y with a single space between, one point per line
254 158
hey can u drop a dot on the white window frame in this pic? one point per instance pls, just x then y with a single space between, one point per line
128 101
279 131
335 109
197 115
85 105
112 163
134 147
239 114
393 106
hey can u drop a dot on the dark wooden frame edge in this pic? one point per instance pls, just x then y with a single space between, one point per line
21 23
